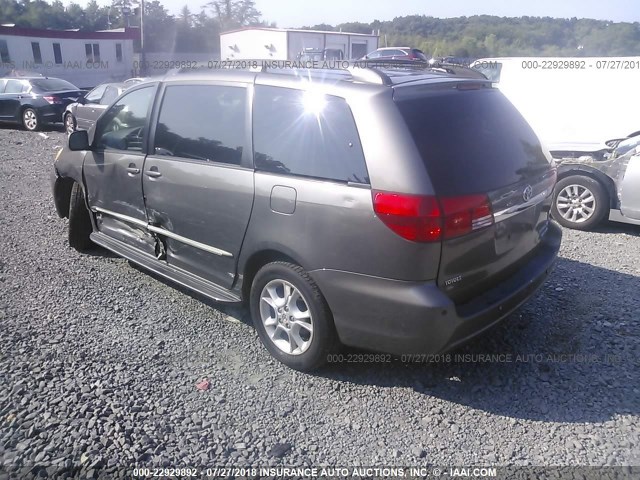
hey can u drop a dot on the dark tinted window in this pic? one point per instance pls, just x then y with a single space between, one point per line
4 52
52 85
57 53
37 56
202 122
122 127
472 141
308 134
92 52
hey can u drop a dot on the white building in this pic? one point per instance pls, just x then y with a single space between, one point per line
82 58
286 44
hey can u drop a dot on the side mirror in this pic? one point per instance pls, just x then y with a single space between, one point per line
79 140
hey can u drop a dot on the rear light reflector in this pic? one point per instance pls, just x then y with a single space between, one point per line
53 100
413 217
426 218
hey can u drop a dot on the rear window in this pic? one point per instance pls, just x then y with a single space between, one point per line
52 85
472 141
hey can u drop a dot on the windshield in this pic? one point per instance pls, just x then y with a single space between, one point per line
52 85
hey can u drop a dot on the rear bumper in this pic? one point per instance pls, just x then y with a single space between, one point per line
408 317
51 113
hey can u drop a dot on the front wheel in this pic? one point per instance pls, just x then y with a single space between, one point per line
30 119
79 221
579 202
291 316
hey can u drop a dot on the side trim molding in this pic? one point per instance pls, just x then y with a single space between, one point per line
162 231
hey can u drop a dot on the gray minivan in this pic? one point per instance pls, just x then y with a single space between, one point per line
398 211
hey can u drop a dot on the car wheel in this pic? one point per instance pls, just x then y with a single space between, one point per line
579 202
291 316
69 123
30 119
79 221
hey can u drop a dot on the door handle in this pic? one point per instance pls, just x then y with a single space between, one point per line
153 173
133 170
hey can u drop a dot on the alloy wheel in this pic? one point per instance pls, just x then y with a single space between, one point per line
286 317
576 203
30 119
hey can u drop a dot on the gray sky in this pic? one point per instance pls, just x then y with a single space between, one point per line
296 13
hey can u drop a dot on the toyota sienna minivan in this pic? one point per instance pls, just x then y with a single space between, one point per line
399 211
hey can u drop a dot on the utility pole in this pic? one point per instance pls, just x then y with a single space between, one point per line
143 70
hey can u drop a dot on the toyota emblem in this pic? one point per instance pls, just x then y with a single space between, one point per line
527 193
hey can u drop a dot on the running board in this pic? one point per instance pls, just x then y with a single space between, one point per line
179 276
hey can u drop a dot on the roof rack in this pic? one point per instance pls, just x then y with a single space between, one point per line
380 71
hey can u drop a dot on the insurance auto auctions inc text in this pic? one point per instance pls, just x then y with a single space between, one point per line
375 472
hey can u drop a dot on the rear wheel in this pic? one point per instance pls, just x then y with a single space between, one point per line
30 119
79 221
291 316
579 202
69 123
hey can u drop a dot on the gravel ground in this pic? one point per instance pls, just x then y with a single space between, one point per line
99 363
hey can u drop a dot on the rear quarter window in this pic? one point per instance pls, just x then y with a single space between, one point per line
301 133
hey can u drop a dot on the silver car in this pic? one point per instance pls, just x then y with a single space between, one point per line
83 114
400 211
596 182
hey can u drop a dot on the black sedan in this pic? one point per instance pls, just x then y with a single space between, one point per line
81 115
35 101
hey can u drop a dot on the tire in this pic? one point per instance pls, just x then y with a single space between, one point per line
278 334
69 123
579 202
79 221
30 119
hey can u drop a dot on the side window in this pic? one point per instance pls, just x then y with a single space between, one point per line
14 86
304 133
122 126
110 94
202 122
94 95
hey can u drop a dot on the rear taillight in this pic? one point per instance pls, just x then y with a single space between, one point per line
53 100
413 217
426 218
465 214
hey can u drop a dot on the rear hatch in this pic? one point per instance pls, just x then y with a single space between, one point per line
492 178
